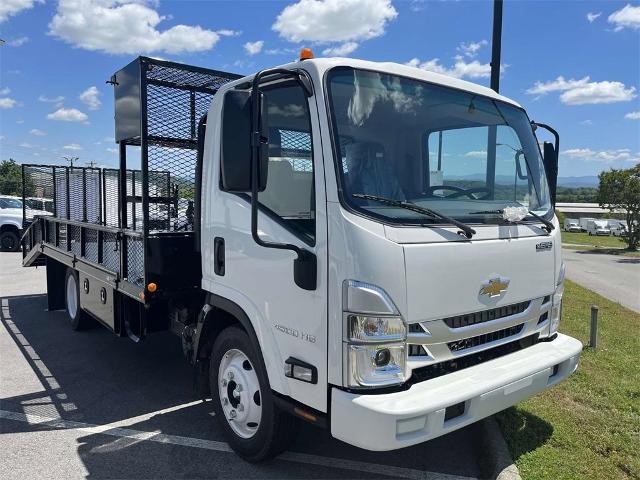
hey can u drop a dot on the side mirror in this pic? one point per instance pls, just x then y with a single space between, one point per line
236 143
550 159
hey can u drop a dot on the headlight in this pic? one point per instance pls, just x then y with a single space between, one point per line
375 337
366 328
556 305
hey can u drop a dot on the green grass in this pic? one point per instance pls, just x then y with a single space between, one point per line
584 238
587 427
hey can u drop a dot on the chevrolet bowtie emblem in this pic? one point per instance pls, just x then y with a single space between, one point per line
495 287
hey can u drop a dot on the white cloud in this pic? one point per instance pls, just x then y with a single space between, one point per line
471 49
627 17
90 98
340 50
586 122
225 32
72 146
37 133
476 153
5 91
593 16
583 91
7 103
281 51
25 145
45 99
13 7
460 69
633 116
334 20
68 115
124 27
605 156
112 150
17 42
253 48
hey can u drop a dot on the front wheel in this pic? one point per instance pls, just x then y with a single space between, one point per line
243 402
9 241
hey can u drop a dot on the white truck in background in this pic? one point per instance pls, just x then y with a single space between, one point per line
598 227
348 263
572 225
584 223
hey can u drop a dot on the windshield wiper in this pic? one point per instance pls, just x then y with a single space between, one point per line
468 231
548 226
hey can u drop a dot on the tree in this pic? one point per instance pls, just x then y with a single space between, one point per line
10 178
620 189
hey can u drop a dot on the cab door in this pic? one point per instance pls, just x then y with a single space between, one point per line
290 322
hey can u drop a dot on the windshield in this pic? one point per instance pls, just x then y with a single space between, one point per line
464 155
6 202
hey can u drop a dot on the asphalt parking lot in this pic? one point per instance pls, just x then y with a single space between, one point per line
89 404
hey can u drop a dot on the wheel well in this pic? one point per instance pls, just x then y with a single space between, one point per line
9 228
216 321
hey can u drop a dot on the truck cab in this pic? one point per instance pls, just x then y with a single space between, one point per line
424 205
365 246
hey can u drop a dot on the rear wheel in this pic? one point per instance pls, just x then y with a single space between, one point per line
254 426
77 317
9 241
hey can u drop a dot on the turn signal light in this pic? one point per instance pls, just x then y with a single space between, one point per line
306 54
152 287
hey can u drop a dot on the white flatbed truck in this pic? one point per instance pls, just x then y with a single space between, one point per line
366 246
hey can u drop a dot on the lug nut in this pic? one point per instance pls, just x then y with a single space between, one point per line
241 408
233 414
239 388
230 375
225 402
224 382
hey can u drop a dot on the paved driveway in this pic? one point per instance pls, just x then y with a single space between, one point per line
612 276
89 404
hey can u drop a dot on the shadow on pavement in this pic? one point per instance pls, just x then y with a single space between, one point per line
523 431
97 378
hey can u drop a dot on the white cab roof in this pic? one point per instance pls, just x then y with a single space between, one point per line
324 64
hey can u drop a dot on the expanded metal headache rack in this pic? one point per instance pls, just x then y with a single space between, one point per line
136 225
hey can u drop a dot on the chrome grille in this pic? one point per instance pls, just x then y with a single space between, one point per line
486 315
471 342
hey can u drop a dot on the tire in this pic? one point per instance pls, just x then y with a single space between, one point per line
238 378
9 241
79 320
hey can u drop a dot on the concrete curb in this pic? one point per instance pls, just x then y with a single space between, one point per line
500 465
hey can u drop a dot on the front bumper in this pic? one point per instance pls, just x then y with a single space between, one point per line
395 420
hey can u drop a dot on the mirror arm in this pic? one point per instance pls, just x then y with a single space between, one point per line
553 132
304 257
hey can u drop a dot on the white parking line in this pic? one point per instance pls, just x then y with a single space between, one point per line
340 463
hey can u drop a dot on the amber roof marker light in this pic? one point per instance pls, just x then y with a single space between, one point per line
306 53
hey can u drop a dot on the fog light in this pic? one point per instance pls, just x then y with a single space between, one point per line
382 357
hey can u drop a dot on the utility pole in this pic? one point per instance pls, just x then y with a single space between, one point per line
496 45
92 163
70 160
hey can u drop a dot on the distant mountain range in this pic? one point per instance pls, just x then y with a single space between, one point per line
586 181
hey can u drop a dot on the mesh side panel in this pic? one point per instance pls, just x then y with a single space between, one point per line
93 195
135 261
296 149
76 194
91 245
73 232
179 75
60 180
171 188
38 190
134 200
62 236
169 112
110 194
37 233
51 232
110 252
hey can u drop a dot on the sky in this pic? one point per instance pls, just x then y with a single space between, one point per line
574 65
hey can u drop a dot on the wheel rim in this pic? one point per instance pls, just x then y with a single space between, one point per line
72 298
8 242
239 391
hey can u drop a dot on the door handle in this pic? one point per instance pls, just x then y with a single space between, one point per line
218 253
